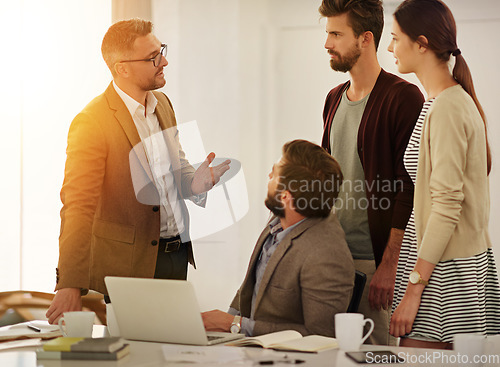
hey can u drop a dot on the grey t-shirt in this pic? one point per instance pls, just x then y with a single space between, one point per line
351 205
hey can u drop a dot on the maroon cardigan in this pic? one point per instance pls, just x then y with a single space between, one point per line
385 129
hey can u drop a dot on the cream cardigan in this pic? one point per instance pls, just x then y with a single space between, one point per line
452 200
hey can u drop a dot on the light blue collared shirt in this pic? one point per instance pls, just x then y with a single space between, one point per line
276 235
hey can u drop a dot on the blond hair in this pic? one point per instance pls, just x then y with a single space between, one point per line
118 42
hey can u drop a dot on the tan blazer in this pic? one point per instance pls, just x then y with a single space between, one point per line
308 279
105 230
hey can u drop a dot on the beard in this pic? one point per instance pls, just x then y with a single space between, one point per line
152 83
346 62
274 205
157 83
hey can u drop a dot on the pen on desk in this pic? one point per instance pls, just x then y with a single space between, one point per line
37 329
290 361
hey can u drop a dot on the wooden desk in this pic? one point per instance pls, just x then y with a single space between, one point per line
147 354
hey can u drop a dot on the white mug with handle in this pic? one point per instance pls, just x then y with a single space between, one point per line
77 323
349 330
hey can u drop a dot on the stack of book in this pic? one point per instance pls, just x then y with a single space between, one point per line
112 348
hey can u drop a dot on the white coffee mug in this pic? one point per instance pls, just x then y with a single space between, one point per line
77 323
471 348
349 330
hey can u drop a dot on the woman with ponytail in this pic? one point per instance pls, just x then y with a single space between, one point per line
446 281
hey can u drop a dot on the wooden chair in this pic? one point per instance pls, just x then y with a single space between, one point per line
25 302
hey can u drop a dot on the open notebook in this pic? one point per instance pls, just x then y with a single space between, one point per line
41 329
160 310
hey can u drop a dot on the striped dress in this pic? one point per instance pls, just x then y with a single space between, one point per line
463 295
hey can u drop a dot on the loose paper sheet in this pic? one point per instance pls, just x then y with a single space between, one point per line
18 344
204 354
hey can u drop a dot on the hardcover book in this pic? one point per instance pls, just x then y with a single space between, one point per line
112 356
68 344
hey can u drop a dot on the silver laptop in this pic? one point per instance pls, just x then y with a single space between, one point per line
160 310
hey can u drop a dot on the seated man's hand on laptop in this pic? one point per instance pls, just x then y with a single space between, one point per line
217 320
66 299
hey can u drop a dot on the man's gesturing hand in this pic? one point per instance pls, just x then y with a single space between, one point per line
206 177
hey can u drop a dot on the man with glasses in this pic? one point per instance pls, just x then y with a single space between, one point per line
126 177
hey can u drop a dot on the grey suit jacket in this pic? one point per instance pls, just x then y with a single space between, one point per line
308 279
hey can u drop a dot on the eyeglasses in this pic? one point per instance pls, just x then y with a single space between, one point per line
155 59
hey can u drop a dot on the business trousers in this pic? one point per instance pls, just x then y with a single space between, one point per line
381 318
169 265
172 265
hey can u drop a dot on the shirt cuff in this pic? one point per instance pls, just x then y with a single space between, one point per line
200 199
247 326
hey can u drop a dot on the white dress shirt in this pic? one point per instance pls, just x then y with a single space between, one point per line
155 147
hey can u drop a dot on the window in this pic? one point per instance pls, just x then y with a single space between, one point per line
51 70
